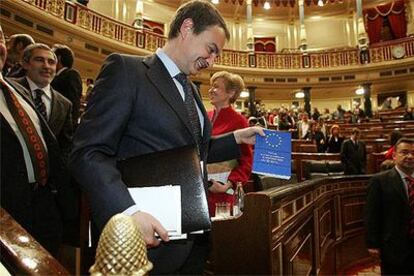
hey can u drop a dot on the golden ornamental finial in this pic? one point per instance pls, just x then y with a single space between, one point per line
121 249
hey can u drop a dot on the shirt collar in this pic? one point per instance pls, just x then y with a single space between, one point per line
402 174
61 70
33 87
172 68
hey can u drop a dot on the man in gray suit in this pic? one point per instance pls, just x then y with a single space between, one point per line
123 120
40 64
389 213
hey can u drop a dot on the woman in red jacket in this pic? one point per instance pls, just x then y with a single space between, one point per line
225 89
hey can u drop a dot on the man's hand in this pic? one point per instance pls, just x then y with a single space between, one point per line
148 225
374 252
248 135
217 187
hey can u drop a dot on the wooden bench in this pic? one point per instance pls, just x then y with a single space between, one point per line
299 157
309 228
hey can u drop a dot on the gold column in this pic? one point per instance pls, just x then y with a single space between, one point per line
249 19
302 32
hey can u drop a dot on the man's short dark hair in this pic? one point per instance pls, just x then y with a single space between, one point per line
404 140
28 51
203 14
65 55
24 39
355 131
395 136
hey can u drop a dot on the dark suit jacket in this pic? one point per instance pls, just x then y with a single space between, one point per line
40 211
332 146
60 119
387 217
353 157
136 109
69 84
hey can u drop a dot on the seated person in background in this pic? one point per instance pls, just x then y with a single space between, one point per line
339 114
394 137
319 137
88 94
284 123
334 141
316 114
408 114
304 127
326 115
387 104
273 114
354 154
358 114
225 89
323 127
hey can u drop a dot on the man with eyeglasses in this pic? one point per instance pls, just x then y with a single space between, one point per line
389 213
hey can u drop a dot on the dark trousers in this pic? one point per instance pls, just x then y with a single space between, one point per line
406 267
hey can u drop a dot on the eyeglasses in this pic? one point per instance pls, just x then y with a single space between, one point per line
406 153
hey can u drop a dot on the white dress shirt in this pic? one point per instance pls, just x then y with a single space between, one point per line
404 180
46 96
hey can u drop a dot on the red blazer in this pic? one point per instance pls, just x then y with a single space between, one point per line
229 120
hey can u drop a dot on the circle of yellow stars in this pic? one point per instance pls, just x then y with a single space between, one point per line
274 143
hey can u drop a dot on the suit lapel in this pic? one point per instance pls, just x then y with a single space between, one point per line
161 79
56 114
23 81
398 184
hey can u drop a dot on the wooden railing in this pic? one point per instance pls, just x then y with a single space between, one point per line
309 228
21 254
95 22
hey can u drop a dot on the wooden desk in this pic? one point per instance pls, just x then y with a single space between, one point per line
308 228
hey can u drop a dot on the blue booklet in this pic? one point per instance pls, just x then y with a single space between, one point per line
273 154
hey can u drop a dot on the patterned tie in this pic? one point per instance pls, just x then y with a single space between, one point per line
40 105
410 181
190 105
37 151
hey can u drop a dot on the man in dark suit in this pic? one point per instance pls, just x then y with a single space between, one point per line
122 120
15 47
354 154
389 213
34 181
67 80
40 64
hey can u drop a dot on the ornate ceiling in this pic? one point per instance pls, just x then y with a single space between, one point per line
282 10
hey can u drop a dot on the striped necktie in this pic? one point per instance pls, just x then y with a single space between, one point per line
190 105
37 150
40 105
410 186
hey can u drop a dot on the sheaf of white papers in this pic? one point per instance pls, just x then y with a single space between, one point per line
221 177
163 203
